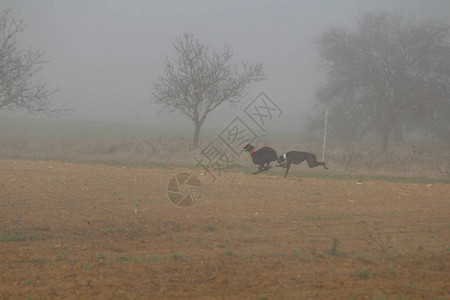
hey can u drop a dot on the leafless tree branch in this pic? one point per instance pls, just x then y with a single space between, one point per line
18 87
198 80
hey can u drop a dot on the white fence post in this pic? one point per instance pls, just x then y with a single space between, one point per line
325 134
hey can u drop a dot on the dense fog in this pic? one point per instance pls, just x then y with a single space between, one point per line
105 56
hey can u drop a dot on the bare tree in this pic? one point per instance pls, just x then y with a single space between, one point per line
390 74
18 87
198 80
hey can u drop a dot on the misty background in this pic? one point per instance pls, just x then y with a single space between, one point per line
105 56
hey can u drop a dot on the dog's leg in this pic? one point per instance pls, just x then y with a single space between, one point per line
287 169
316 163
260 169
283 165
312 162
267 167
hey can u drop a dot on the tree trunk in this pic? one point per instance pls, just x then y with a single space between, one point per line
398 133
386 134
385 142
196 134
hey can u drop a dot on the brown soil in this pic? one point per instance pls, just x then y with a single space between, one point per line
88 231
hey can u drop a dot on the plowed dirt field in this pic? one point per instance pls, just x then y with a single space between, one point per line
92 231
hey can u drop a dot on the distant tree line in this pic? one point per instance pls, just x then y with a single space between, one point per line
389 76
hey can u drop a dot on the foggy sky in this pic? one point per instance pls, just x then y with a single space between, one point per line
106 55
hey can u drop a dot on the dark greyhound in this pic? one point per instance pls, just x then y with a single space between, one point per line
296 157
262 157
